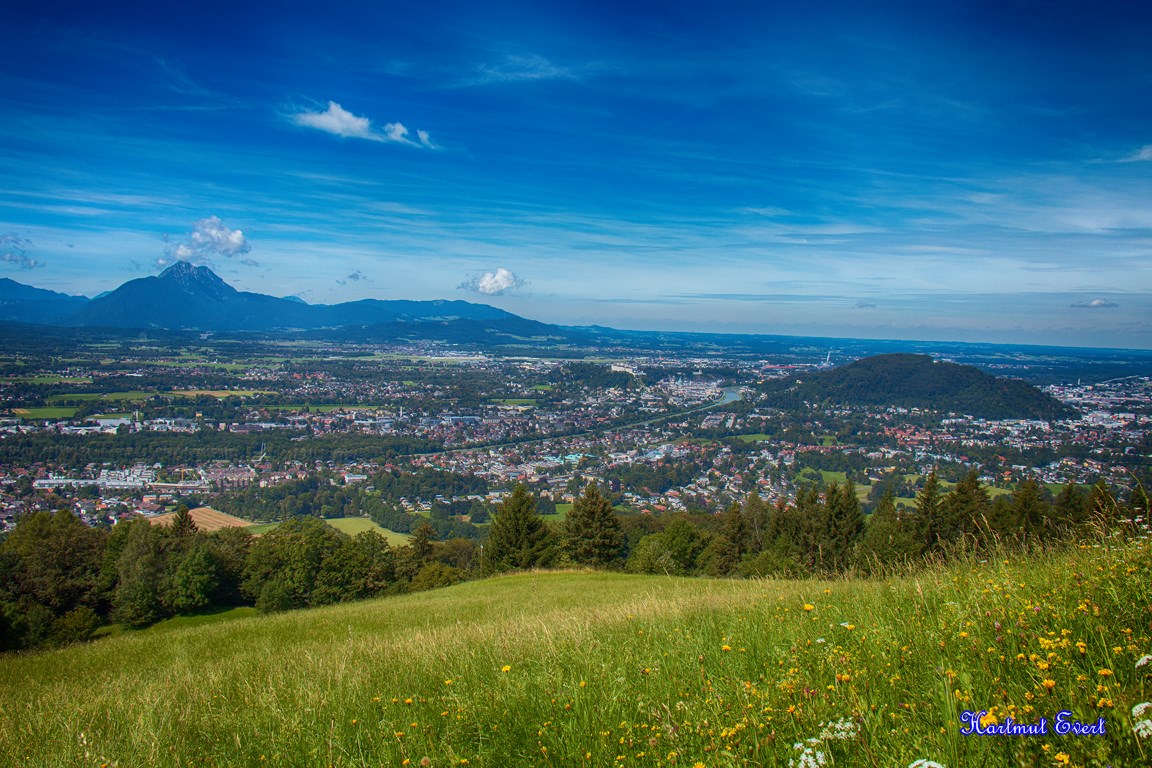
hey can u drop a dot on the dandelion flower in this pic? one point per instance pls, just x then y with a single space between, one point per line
1049 684
506 668
809 607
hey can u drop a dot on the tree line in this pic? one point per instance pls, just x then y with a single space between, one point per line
61 580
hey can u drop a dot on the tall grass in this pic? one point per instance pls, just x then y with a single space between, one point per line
596 669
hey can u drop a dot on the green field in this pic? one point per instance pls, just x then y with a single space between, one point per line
88 396
758 437
349 525
45 413
515 400
562 510
47 379
355 525
601 669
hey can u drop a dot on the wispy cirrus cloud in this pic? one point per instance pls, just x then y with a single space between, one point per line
1144 154
340 122
524 69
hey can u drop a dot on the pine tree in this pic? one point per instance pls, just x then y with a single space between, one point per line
930 513
592 531
888 537
518 538
1030 513
1069 511
845 525
183 526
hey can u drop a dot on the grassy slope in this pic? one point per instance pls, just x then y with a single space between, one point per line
607 669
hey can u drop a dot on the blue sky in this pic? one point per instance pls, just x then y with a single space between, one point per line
974 171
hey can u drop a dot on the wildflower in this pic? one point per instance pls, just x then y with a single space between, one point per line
506 668
922 763
1143 729
840 730
1083 647
1105 673
1049 684
1062 758
725 648
1144 661
1141 708
809 607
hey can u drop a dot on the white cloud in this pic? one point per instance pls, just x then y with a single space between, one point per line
1095 304
340 122
1141 155
14 250
209 239
495 283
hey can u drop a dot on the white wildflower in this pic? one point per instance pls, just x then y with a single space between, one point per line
922 763
1144 661
1140 709
840 730
1143 729
810 757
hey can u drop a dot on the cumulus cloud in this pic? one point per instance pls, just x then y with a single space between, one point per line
14 250
1141 155
340 122
208 240
495 283
1095 304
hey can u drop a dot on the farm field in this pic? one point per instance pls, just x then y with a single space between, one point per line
350 526
47 412
598 669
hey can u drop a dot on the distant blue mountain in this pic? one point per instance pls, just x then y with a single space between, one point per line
25 304
190 297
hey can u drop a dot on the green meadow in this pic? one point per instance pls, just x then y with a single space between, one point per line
604 669
349 525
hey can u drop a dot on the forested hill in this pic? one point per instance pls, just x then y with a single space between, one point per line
918 381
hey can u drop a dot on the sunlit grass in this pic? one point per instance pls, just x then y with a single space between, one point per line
608 669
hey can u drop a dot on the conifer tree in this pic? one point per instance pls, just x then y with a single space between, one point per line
592 531
845 524
1030 513
966 509
518 537
1069 511
930 513
183 526
889 538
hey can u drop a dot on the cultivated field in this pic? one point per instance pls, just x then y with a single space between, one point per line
597 669
206 519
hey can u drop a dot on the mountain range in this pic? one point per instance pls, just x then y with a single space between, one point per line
188 297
